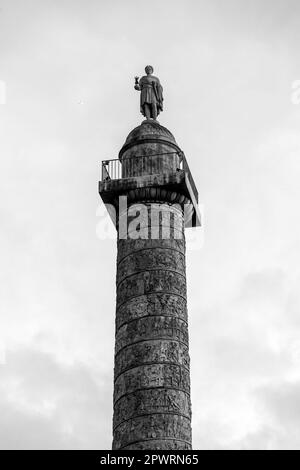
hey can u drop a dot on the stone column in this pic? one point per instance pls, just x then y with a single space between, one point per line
152 408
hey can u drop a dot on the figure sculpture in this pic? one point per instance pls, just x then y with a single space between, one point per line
151 94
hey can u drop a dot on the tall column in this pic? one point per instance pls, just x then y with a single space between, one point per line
152 384
152 407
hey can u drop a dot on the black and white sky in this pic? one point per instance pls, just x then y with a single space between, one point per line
231 77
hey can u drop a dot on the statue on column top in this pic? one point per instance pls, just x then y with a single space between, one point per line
151 94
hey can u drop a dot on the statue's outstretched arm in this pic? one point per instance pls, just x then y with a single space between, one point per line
137 85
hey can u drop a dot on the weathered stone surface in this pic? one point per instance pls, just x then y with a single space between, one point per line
149 401
154 135
151 352
145 260
156 304
163 444
151 327
152 376
149 282
128 246
156 426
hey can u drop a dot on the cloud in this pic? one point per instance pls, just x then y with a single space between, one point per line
279 405
48 405
282 401
246 362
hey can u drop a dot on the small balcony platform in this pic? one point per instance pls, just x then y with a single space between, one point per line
149 171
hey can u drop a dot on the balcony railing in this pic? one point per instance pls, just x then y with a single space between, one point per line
141 165
146 164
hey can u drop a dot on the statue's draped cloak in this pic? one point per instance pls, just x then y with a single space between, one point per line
151 92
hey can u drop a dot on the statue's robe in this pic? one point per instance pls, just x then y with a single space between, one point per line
151 92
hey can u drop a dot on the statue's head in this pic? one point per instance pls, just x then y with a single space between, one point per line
149 69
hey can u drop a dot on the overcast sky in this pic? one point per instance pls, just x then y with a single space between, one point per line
227 68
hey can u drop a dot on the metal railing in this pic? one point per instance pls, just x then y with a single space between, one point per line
111 169
141 165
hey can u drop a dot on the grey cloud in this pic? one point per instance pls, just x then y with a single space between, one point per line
21 431
279 405
263 283
282 401
48 405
